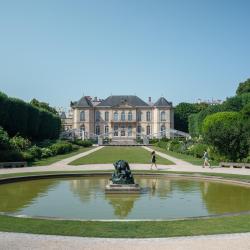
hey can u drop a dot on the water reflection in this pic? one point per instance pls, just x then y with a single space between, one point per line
161 198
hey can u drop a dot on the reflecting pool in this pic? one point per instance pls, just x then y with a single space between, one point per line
84 198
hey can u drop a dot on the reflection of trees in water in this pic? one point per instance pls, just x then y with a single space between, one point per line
185 186
87 188
224 198
122 203
15 196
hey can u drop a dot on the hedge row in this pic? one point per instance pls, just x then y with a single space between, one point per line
19 117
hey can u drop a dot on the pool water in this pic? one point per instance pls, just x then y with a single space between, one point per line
85 198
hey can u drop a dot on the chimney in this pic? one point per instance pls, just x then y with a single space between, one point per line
149 99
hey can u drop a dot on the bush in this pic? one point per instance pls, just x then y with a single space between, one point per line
177 146
27 156
10 155
226 133
4 140
197 150
19 143
61 148
46 152
85 143
35 151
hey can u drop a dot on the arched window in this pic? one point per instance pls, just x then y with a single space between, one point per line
148 116
148 130
163 116
130 116
123 117
82 116
106 116
115 116
97 116
97 130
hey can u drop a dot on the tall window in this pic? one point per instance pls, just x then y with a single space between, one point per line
116 130
106 129
123 116
129 130
148 116
97 130
138 129
115 116
82 130
139 116
130 116
163 130
82 116
148 130
123 130
163 116
106 116
97 116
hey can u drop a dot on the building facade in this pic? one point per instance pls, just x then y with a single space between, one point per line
120 117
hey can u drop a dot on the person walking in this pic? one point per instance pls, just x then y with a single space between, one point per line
153 160
206 160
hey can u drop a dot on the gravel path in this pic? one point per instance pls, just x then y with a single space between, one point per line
20 241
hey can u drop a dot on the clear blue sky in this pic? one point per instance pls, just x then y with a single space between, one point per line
184 50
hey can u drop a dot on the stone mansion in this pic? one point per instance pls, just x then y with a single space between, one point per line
120 117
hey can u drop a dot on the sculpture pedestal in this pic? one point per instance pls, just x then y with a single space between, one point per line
122 188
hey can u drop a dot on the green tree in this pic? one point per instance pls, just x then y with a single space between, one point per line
244 87
226 133
182 112
43 105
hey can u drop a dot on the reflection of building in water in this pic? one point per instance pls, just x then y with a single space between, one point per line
122 203
87 188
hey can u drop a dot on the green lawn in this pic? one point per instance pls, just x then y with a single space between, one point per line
184 157
53 159
113 154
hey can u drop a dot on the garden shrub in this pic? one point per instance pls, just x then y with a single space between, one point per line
35 151
197 150
46 152
19 143
27 156
61 148
225 132
83 143
4 140
10 155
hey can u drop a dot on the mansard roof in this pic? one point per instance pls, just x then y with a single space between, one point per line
116 100
84 102
162 102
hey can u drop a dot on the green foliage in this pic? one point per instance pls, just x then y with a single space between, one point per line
27 156
182 112
44 106
46 152
85 143
18 117
61 148
197 150
236 103
36 152
19 143
4 140
193 127
225 132
10 155
244 87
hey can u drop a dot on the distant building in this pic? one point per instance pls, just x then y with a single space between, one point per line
119 117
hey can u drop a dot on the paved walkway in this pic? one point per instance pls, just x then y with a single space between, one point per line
180 166
19 241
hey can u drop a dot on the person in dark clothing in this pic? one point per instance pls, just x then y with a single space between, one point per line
153 160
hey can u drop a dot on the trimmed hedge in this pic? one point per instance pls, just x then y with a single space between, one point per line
19 117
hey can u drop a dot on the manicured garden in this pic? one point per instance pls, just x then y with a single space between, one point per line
112 154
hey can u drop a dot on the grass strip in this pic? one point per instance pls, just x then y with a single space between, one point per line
143 229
